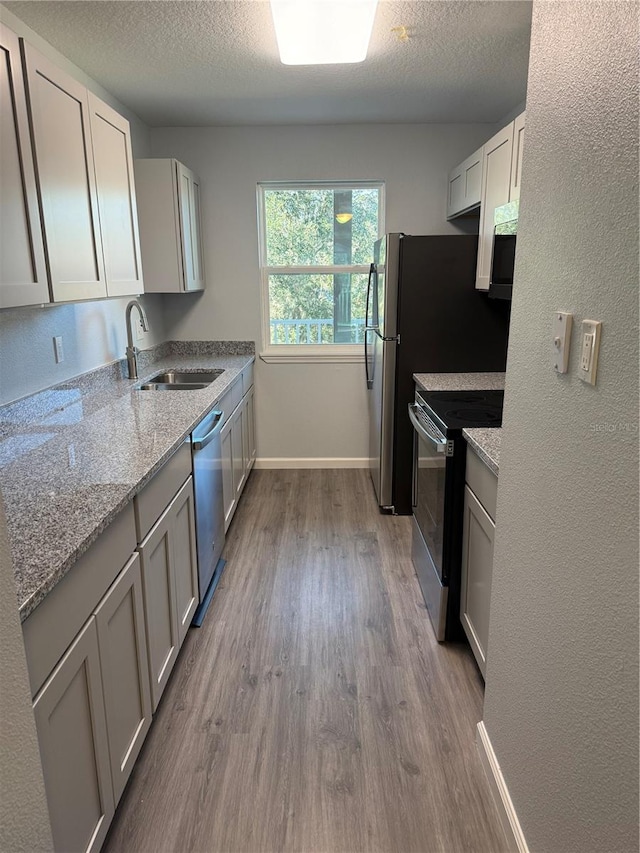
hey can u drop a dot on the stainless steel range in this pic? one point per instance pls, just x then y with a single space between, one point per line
438 418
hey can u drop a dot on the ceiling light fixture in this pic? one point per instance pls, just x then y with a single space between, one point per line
323 32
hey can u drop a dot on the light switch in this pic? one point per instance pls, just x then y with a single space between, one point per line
562 324
589 350
58 348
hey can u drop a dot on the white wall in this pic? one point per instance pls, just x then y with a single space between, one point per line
303 410
93 332
561 702
24 819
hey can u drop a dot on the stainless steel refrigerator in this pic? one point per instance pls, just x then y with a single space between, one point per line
423 315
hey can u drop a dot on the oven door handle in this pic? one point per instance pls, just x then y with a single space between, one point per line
422 430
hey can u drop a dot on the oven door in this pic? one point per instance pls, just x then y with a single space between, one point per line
429 478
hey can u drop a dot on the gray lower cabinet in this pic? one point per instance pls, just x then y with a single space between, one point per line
185 556
228 490
170 585
477 557
238 442
100 649
251 428
123 658
74 747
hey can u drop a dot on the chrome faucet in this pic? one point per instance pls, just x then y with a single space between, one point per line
132 351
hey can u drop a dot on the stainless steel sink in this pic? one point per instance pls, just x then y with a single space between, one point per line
174 380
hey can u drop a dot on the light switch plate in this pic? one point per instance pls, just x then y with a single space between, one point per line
589 350
58 348
562 325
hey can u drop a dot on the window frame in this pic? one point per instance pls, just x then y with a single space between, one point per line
307 353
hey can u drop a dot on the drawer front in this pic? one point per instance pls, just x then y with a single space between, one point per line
51 627
158 494
483 482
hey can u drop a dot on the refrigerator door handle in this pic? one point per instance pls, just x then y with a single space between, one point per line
368 328
366 362
367 325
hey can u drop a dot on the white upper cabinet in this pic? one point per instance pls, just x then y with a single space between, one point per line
516 157
64 164
23 273
490 177
496 180
116 199
69 220
501 172
189 204
465 186
169 210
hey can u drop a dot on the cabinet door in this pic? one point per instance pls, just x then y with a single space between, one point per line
159 604
228 489
72 732
189 204
238 448
496 180
185 558
125 671
23 273
116 199
64 164
250 428
477 570
465 185
198 247
516 157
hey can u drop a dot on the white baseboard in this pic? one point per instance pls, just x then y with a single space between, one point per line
507 812
308 462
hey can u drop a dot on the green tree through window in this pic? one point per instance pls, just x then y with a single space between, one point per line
317 244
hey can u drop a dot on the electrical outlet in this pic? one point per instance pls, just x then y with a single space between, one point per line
139 331
58 349
589 350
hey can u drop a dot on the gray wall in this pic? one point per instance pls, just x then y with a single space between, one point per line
93 332
413 160
24 819
561 705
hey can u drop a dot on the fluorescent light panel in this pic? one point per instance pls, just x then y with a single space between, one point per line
323 32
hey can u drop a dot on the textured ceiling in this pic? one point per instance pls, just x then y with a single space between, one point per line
216 63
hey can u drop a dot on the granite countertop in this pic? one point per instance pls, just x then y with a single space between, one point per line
460 381
486 444
74 455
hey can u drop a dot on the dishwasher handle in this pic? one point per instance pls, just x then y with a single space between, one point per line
202 441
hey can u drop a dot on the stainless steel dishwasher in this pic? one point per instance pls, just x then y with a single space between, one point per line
207 481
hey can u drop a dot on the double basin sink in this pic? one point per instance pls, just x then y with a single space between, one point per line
174 380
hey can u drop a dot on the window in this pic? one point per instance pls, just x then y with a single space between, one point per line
316 245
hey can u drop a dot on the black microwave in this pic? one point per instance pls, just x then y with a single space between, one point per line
503 256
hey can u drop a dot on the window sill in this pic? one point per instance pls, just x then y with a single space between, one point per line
329 354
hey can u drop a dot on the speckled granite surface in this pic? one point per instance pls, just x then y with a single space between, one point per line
460 381
486 443
73 456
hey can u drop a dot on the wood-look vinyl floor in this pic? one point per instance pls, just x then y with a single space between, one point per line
314 711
